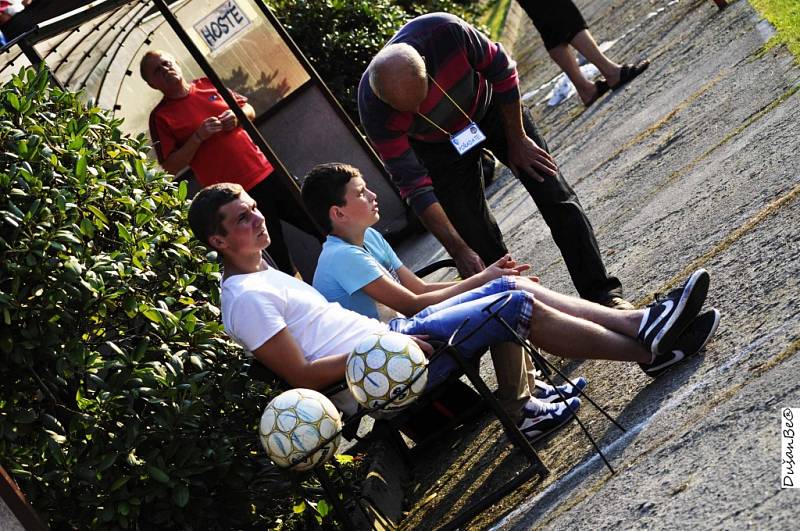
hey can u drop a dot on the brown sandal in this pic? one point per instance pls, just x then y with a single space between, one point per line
629 72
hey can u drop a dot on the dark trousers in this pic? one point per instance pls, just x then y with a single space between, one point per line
458 184
276 204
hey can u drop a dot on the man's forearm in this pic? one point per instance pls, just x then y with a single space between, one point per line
327 371
182 157
512 119
436 221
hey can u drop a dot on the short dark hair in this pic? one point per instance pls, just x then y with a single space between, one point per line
205 217
324 187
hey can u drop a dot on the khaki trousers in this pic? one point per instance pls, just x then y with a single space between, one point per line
515 376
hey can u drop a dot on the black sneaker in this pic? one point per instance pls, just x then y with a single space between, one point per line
547 393
670 315
540 419
690 342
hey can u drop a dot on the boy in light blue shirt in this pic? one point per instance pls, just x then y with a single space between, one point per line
344 269
359 269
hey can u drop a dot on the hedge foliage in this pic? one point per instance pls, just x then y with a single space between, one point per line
122 404
340 37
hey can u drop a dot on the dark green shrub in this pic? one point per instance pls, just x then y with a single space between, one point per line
340 37
122 404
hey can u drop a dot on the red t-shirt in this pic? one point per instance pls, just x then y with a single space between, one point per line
228 156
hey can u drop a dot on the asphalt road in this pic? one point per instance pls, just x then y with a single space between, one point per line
694 164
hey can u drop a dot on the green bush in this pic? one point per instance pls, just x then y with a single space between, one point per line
340 37
122 403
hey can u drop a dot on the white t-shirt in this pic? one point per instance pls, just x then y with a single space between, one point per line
256 306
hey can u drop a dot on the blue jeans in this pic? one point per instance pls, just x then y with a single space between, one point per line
441 320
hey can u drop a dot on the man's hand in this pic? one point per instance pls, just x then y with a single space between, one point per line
210 127
228 120
525 157
468 262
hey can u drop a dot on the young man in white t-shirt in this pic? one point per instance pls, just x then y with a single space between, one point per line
304 339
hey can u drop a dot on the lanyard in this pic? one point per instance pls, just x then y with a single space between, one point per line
451 101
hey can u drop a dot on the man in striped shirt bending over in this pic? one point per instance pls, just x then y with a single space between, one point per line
429 101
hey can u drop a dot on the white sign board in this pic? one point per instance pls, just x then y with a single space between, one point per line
222 25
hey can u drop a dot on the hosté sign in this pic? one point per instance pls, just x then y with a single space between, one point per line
222 25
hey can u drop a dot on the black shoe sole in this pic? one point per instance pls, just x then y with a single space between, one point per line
688 307
654 373
553 429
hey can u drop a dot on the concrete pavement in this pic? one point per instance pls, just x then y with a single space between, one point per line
694 164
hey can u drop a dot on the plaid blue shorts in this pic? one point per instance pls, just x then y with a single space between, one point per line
441 320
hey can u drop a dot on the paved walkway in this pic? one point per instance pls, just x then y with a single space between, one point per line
695 164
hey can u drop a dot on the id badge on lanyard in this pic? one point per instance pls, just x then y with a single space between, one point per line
467 138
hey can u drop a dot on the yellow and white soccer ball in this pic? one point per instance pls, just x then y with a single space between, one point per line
382 366
294 423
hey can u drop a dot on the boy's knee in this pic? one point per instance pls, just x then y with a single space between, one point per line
518 311
542 317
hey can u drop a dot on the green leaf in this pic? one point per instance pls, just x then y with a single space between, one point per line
158 474
60 439
180 495
87 228
138 164
119 483
80 167
52 423
106 462
299 508
153 315
124 233
96 211
143 217
7 344
323 508
183 191
65 235
13 99
19 472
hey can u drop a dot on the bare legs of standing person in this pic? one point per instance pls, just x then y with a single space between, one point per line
566 60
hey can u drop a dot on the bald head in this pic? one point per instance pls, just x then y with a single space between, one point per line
397 75
160 70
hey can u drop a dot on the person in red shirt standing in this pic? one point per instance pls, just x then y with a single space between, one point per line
193 126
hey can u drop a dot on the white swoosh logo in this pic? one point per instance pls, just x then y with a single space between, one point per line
668 304
677 355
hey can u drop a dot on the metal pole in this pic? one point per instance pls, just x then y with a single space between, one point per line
334 103
36 59
244 121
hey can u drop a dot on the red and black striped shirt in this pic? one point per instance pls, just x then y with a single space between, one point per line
472 70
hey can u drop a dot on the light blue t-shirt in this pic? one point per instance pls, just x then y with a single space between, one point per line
343 269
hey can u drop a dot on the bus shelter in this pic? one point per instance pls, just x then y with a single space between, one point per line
238 44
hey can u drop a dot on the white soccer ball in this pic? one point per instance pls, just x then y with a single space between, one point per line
296 422
382 367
